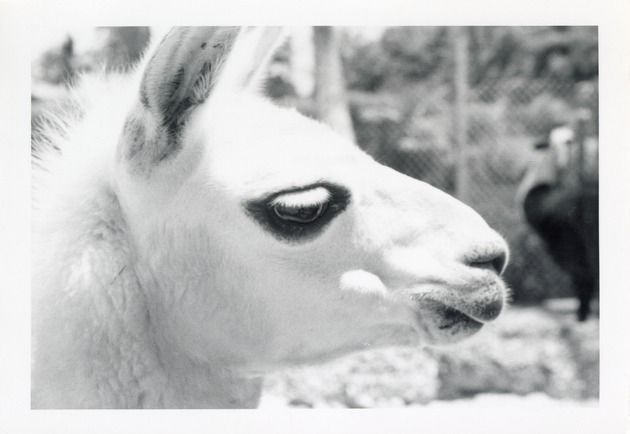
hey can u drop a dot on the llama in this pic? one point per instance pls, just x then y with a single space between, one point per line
564 213
191 236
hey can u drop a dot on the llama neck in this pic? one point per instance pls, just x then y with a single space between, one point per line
167 378
171 376
105 351
197 372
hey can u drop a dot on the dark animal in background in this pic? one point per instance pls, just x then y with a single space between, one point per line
563 210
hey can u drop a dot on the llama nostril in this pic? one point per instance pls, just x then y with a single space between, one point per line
495 260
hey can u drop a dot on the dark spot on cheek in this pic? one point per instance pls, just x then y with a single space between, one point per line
204 45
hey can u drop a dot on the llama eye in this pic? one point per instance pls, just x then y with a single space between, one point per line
300 214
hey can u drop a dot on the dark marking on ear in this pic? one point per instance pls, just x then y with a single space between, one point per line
134 133
139 143
201 88
178 78
142 148
174 84
175 112
144 98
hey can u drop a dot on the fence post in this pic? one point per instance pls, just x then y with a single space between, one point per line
460 121
580 141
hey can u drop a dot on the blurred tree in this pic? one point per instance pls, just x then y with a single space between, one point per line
564 52
414 54
121 46
495 52
57 66
330 93
365 66
278 84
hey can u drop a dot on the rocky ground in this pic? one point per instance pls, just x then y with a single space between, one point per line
535 356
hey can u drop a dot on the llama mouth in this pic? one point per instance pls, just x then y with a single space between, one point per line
454 309
452 317
471 308
447 324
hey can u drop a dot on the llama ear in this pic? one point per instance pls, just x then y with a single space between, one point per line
248 58
189 64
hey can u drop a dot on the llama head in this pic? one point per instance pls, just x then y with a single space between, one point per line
264 238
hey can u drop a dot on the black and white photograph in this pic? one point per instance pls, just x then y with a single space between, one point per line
354 228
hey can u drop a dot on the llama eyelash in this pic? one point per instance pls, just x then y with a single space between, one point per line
303 198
